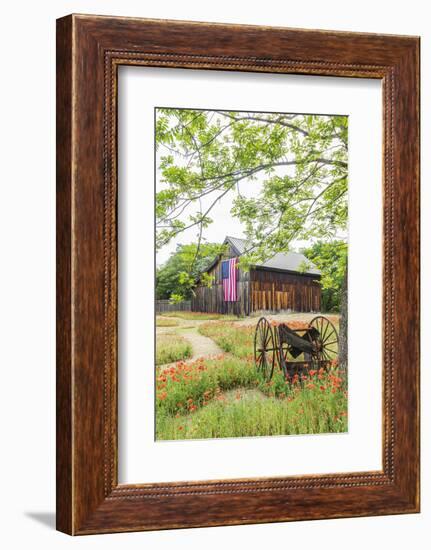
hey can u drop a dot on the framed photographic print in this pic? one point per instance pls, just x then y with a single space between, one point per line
237 274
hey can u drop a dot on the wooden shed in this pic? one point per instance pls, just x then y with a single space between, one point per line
279 284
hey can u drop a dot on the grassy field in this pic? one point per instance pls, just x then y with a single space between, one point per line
227 397
164 322
197 316
237 340
171 348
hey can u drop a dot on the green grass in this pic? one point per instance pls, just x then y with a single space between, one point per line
255 417
171 348
163 322
237 340
197 316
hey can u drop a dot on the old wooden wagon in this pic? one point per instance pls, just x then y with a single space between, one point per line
316 343
286 282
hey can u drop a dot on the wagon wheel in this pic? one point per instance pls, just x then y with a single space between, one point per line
326 340
264 349
282 351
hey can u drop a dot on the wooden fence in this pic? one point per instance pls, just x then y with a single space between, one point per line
164 306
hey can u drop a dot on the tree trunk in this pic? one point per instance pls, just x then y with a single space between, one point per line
343 343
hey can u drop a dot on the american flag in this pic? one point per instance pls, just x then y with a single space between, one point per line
229 274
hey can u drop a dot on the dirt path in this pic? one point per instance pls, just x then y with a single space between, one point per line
202 345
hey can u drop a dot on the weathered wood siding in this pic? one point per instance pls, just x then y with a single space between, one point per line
275 291
210 299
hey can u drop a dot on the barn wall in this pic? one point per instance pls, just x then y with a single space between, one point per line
259 290
275 291
210 300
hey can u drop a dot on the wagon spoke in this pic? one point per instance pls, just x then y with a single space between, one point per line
326 330
326 355
263 364
263 336
330 334
329 343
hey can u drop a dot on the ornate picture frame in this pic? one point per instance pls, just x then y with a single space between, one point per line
89 51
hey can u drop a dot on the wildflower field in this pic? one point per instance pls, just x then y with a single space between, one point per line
225 396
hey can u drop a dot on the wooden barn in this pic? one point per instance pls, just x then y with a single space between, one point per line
279 284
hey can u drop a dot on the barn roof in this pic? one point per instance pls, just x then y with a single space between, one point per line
283 261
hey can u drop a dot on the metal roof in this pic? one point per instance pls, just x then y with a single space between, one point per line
285 261
238 244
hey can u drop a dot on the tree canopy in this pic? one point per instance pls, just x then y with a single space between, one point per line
331 258
297 164
176 278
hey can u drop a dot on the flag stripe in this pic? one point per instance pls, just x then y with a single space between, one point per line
229 276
